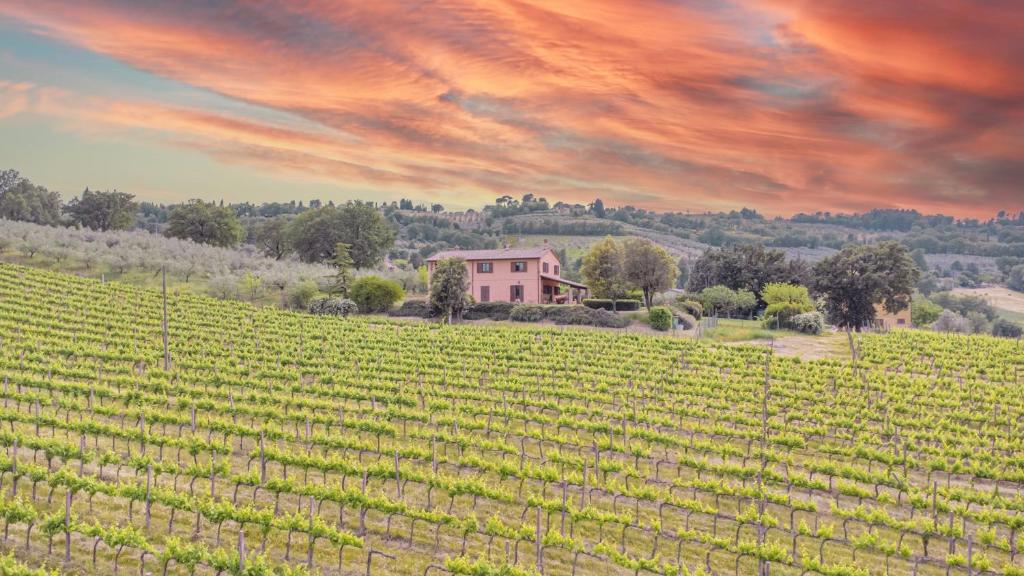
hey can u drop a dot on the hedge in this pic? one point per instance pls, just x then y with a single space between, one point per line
527 313
414 309
612 305
488 310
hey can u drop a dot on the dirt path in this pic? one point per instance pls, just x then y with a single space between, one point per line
806 347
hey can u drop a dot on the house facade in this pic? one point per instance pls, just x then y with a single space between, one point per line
885 320
524 275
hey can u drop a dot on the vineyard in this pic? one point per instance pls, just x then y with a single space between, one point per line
269 442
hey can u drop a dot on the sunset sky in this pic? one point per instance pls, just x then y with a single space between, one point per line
780 105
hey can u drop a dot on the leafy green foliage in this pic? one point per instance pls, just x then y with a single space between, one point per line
103 210
204 223
448 285
660 318
375 294
314 235
648 267
859 277
602 269
25 201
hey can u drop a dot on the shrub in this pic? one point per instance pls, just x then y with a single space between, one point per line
300 295
808 323
333 307
661 318
625 305
488 310
602 303
414 309
583 316
691 307
950 321
526 313
1006 329
375 294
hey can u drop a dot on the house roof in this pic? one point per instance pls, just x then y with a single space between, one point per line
500 254
561 280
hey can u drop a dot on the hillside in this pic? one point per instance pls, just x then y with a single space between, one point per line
370 446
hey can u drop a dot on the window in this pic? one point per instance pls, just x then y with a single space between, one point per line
545 267
901 322
485 293
519 266
556 270
485 267
515 293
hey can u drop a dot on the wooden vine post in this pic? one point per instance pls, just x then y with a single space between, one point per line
167 349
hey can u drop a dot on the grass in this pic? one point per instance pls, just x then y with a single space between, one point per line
1011 315
730 330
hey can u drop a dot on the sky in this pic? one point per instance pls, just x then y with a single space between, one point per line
780 105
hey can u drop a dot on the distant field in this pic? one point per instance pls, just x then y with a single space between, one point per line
997 296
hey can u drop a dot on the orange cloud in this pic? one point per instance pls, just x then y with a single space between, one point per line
786 105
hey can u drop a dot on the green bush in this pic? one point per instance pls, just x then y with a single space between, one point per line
333 307
488 310
923 311
661 318
301 294
629 305
526 313
596 303
414 309
375 294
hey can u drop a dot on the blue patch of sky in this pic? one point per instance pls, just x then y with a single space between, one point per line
46 61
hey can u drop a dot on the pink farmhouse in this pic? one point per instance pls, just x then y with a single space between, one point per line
527 275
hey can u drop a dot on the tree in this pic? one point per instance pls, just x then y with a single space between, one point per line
648 267
597 208
314 234
205 223
746 266
342 262
783 302
724 300
8 178
1006 329
375 294
684 272
1016 278
103 210
271 239
448 288
602 269
859 277
923 311
23 200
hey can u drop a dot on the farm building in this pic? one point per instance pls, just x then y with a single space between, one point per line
885 320
526 275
